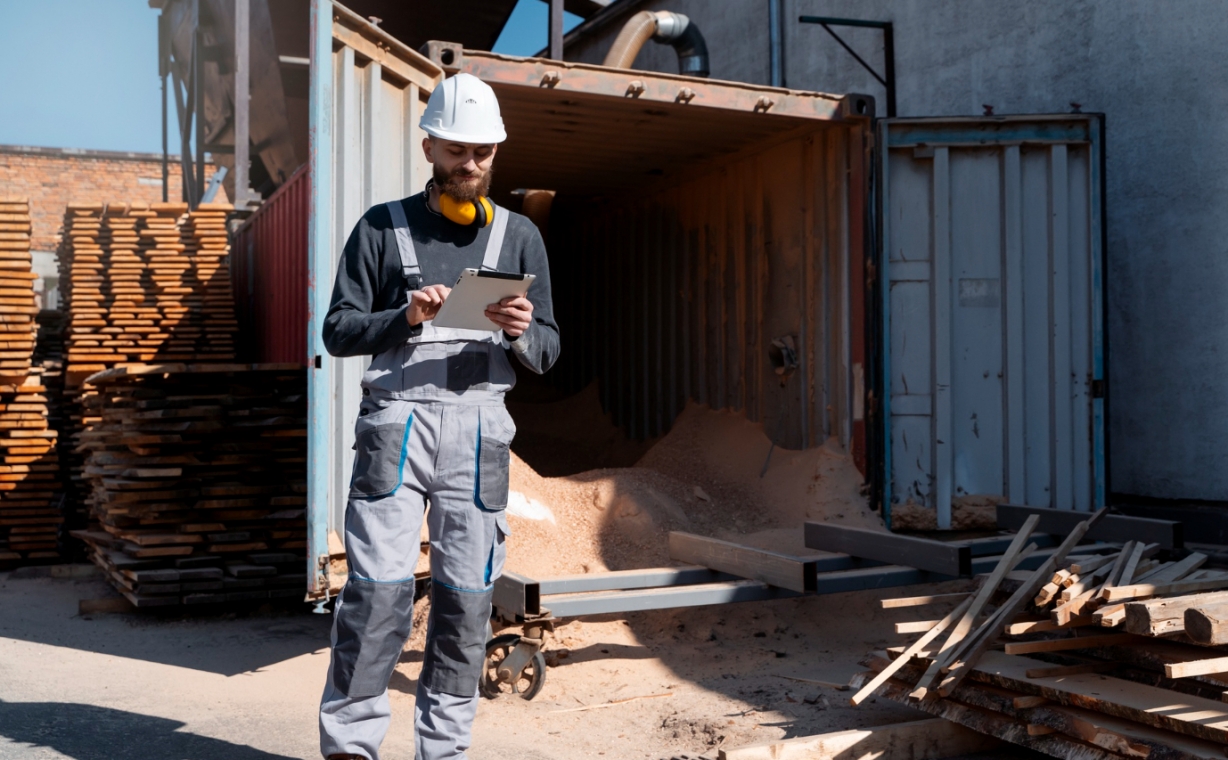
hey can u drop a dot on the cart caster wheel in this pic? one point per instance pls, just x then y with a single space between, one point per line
531 680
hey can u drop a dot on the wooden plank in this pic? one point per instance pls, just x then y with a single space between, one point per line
1197 668
1149 705
1116 528
916 740
1040 626
1178 570
1149 589
793 573
1062 670
950 647
1080 642
1011 608
916 647
1136 556
921 601
1207 623
947 558
916 626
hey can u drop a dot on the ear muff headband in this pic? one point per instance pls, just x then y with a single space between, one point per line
467 213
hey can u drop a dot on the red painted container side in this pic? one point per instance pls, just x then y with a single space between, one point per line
269 271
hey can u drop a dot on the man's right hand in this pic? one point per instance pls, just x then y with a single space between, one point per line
424 304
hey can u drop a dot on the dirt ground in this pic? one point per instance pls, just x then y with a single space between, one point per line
245 686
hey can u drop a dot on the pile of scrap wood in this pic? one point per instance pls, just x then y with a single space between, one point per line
30 516
198 482
1079 692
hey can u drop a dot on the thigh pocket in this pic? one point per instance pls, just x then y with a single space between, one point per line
494 455
381 443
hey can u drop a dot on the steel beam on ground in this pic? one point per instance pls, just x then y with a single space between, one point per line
631 579
1167 533
948 558
793 573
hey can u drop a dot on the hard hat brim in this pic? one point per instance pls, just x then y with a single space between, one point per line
485 138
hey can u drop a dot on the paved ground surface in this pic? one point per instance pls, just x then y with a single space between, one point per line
245 687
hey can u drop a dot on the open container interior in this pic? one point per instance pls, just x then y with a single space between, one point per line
704 248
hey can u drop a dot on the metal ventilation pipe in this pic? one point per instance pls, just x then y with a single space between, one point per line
662 26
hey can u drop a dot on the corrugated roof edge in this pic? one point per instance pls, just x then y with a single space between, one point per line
652 87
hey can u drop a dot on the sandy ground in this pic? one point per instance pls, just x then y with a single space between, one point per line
245 687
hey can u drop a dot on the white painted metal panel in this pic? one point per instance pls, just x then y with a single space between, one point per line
991 251
368 91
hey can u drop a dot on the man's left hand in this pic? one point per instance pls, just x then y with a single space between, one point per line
512 314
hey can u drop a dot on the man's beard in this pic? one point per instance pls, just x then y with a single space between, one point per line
463 187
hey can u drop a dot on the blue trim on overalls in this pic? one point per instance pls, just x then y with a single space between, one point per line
409 424
477 499
467 590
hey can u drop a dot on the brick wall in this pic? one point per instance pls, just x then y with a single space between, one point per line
53 177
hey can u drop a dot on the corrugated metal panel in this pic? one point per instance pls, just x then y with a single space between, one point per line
269 266
367 94
992 248
677 293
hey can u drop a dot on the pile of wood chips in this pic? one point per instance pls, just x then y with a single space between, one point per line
30 517
1076 694
198 480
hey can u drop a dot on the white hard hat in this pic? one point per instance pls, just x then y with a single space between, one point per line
463 108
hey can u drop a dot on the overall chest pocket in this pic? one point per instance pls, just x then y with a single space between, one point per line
494 458
381 446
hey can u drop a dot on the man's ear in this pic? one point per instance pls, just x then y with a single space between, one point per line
426 150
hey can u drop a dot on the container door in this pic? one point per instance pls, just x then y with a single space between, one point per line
991 246
368 91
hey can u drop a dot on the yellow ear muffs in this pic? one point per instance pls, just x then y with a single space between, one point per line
466 212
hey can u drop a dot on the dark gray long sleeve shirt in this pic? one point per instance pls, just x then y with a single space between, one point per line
367 313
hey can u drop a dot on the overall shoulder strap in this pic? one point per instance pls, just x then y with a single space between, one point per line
494 244
405 244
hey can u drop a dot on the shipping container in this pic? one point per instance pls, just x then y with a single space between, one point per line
269 271
993 311
707 242
927 295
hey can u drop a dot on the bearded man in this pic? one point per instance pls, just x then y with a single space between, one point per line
432 428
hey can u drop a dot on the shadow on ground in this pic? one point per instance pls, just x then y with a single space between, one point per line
226 643
89 732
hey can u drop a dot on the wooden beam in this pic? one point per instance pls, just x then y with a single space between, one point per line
1150 589
1207 623
793 573
1197 668
948 558
1116 528
1040 626
921 601
1061 645
1155 617
915 740
916 626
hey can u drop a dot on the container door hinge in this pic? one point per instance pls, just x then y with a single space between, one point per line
1097 388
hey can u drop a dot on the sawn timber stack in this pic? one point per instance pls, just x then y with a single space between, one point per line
29 517
198 482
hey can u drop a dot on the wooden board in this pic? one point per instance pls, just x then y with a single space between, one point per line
915 740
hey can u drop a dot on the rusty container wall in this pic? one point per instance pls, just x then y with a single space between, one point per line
269 267
677 293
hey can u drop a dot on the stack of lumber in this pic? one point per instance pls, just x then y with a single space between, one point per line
145 283
30 515
1079 692
140 283
198 482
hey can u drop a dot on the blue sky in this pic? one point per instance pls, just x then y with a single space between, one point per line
84 73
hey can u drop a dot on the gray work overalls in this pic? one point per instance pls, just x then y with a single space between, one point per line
432 427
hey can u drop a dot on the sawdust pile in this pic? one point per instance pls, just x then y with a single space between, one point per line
967 513
703 477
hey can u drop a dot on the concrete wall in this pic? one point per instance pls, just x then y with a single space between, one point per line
1154 68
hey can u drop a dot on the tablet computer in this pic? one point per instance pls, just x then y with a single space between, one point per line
476 289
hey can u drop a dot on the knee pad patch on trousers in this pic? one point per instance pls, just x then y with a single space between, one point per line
456 645
373 623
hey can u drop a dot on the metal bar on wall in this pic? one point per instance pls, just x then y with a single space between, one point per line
242 101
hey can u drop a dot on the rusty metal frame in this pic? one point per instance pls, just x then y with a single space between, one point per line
649 87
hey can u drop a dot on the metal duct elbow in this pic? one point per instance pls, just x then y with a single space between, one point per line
662 26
